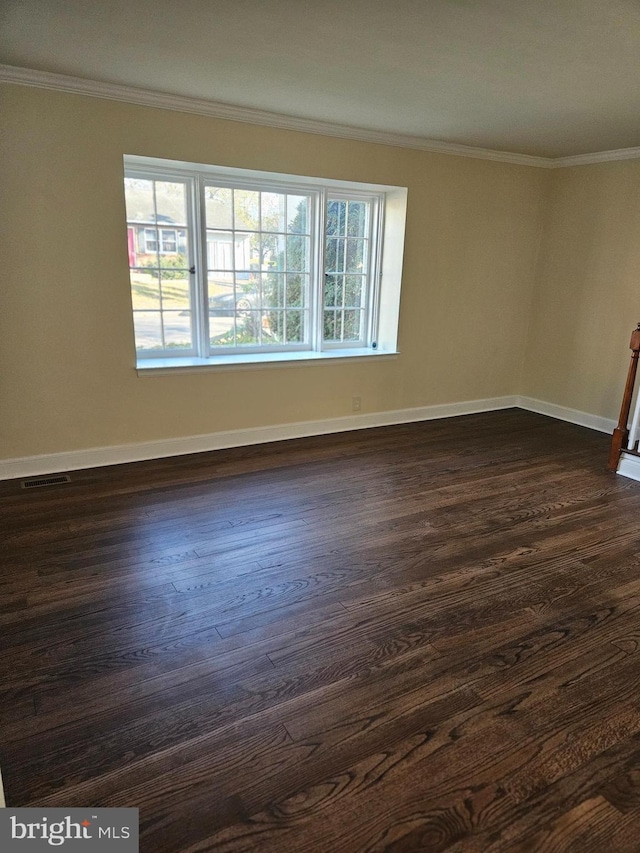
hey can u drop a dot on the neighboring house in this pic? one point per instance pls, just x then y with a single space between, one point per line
154 235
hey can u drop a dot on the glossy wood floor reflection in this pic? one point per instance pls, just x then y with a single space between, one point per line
423 637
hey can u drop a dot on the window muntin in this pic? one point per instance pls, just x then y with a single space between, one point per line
221 266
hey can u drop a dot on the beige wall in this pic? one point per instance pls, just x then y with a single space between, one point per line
67 353
587 294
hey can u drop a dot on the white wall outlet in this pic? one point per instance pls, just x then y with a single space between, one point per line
356 404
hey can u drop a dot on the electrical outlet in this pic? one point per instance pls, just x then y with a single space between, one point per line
356 404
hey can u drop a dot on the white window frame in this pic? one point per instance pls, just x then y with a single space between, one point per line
373 264
167 352
211 178
196 177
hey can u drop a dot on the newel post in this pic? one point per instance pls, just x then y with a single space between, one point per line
621 432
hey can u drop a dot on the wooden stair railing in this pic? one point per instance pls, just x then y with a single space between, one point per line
621 432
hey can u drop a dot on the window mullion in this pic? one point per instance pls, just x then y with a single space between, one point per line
283 295
199 281
158 269
376 230
233 265
319 227
258 325
344 269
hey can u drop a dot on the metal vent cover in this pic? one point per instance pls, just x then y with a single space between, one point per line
37 482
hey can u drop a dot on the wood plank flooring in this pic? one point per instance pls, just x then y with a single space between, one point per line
417 638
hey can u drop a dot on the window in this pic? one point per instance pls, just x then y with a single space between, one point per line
169 243
347 286
150 241
229 263
258 267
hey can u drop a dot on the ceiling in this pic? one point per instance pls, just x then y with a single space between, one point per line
552 78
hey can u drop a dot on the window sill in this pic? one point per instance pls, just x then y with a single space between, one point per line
251 361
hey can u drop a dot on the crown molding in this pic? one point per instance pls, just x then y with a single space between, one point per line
248 115
597 157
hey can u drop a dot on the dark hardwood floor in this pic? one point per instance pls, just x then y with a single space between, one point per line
423 637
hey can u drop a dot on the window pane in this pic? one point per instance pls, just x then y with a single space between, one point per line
297 289
177 329
222 300
221 338
139 200
148 329
247 209
273 212
357 218
248 326
353 291
329 325
295 331
334 261
222 306
332 290
247 292
145 290
298 254
336 215
273 290
220 250
171 203
248 251
355 255
273 252
298 214
272 327
175 290
218 207
351 326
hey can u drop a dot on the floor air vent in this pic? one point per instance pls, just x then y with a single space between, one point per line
37 482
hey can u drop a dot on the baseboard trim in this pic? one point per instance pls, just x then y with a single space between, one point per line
629 466
96 457
563 413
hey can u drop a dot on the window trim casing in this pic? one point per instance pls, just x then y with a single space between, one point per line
196 177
